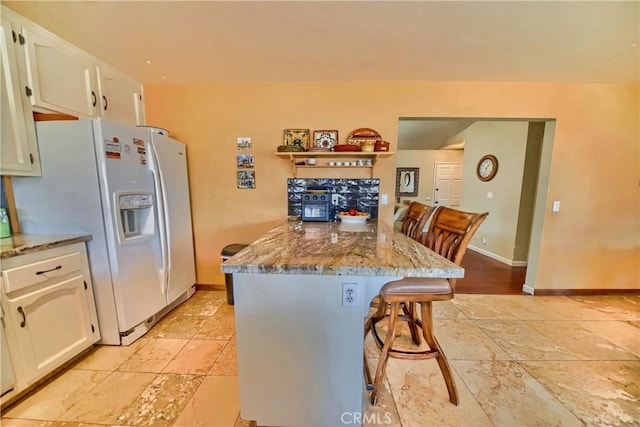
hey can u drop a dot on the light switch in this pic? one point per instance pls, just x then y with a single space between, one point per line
384 199
556 206
490 195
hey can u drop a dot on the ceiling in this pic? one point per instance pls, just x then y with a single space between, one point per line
302 41
177 42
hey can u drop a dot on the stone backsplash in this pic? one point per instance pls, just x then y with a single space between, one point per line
362 194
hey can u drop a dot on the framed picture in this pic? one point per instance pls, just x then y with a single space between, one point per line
246 179
244 161
324 139
244 143
407 181
299 137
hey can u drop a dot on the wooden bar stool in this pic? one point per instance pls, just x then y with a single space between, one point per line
449 234
415 220
412 226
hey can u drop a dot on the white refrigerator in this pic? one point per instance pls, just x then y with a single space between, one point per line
128 188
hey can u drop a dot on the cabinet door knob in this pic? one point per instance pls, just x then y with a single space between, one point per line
94 98
24 318
104 98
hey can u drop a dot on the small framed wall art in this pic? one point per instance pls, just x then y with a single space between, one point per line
299 137
246 179
244 143
244 161
324 139
407 181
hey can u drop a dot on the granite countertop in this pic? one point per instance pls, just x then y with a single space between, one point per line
20 244
338 249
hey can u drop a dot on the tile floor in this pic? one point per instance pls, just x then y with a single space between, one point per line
518 361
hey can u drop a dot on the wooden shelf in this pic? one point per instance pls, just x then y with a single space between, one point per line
301 155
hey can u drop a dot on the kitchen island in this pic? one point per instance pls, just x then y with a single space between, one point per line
302 292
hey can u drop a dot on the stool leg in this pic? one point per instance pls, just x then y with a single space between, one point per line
368 324
384 355
429 337
409 309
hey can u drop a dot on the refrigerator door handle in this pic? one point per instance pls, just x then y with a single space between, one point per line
162 212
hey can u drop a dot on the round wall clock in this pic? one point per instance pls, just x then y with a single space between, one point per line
487 167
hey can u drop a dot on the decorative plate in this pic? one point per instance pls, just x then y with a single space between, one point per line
325 139
299 137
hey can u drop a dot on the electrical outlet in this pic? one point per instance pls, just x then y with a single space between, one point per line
349 295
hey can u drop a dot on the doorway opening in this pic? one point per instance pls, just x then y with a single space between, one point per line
515 197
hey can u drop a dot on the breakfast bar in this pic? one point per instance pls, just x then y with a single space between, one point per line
301 293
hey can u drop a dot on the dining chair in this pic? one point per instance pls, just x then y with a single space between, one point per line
415 220
449 233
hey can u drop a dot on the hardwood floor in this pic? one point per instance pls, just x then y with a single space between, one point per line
484 275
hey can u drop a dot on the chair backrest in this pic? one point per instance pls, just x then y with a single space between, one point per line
451 230
415 220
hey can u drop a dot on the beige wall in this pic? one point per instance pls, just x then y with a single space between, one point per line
507 140
591 243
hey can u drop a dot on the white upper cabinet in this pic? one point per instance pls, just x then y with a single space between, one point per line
120 96
19 150
43 73
61 77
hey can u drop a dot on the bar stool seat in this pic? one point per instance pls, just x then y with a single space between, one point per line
412 287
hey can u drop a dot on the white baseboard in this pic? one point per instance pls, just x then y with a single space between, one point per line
503 260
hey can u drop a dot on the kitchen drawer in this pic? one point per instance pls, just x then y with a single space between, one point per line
38 272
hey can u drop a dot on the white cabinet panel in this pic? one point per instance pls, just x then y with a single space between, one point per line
18 152
51 326
60 76
120 97
49 310
38 272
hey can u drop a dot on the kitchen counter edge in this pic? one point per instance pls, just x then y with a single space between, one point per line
21 244
389 253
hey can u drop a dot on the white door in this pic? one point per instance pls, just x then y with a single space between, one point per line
171 161
60 76
447 184
136 258
51 325
120 97
19 148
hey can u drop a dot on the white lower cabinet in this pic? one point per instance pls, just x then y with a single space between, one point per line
52 326
49 310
